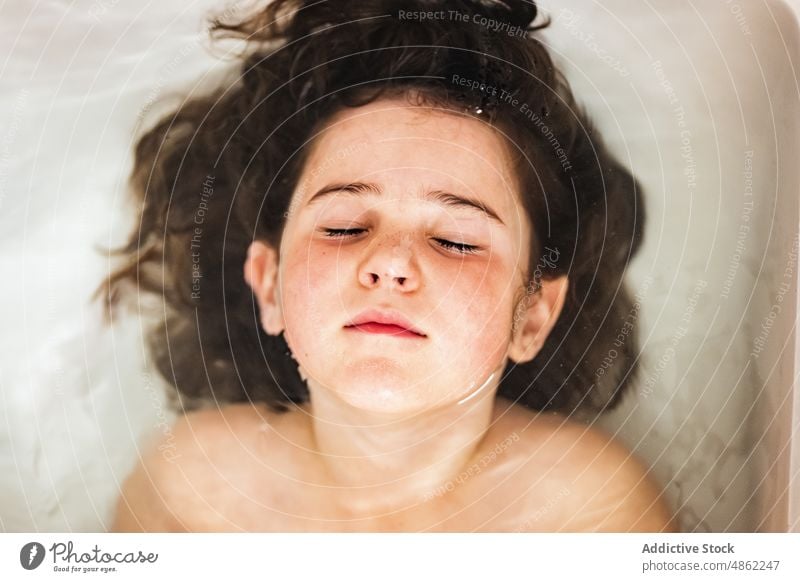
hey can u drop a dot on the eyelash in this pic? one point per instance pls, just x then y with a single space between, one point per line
460 248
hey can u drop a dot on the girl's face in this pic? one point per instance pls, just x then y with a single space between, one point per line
413 213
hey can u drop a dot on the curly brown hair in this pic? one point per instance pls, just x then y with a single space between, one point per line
223 167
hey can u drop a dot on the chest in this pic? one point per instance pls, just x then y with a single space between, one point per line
278 504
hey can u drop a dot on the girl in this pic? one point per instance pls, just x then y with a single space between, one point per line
392 256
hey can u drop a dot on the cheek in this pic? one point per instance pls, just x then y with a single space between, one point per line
309 281
480 308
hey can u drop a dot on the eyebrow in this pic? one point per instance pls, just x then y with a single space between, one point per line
439 196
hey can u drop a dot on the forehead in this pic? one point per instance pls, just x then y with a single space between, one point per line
392 139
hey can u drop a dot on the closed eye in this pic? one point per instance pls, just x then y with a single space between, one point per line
461 248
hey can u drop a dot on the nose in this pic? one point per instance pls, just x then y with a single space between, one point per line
390 264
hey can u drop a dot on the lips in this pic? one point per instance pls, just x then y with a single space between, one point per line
384 322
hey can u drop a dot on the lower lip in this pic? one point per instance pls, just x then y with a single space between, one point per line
383 328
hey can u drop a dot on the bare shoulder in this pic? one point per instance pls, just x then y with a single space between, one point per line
598 483
182 469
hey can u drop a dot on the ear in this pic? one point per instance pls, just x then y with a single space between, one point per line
535 317
261 273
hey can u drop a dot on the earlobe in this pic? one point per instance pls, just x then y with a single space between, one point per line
535 318
261 274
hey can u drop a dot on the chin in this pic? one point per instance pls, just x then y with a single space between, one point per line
386 403
383 393
383 396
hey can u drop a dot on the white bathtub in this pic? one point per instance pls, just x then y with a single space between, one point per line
702 99
716 406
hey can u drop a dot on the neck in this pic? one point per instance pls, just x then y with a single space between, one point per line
392 461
